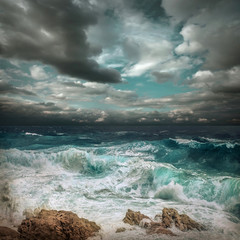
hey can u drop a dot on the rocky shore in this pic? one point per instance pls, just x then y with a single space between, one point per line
161 223
65 225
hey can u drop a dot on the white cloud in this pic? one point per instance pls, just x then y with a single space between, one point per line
225 81
102 118
151 54
211 28
38 73
191 45
202 120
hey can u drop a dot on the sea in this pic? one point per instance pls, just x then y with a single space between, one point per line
101 172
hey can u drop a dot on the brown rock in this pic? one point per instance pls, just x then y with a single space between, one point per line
189 224
120 230
134 218
57 225
183 222
8 234
157 228
170 215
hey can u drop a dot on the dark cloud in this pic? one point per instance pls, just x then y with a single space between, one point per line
227 89
13 112
151 9
225 81
53 32
28 113
69 35
6 88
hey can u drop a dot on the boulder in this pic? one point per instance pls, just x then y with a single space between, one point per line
8 234
57 225
183 222
189 224
157 228
169 216
134 218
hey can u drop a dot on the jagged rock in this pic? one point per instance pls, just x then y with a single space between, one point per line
120 230
57 225
134 218
157 228
183 222
189 224
8 234
170 215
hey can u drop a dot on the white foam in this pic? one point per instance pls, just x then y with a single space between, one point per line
32 134
53 179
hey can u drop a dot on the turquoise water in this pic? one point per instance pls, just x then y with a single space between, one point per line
101 172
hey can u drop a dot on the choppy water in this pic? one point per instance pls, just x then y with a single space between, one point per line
99 173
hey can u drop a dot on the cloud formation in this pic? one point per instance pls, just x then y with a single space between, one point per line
6 88
210 28
53 32
179 59
13 112
38 73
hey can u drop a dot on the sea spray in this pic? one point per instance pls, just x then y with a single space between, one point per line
100 180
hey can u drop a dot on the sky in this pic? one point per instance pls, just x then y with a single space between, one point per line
124 62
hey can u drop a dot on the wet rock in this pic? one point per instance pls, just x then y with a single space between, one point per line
134 218
57 225
183 222
120 230
157 228
189 224
170 215
8 234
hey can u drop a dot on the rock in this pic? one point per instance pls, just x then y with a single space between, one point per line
57 225
134 218
120 230
8 234
189 224
157 228
183 222
170 215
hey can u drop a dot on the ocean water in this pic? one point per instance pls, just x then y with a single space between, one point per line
101 172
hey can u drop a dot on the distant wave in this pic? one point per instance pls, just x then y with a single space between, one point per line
32 134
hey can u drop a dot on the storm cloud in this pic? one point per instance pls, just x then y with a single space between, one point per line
6 88
176 62
53 32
